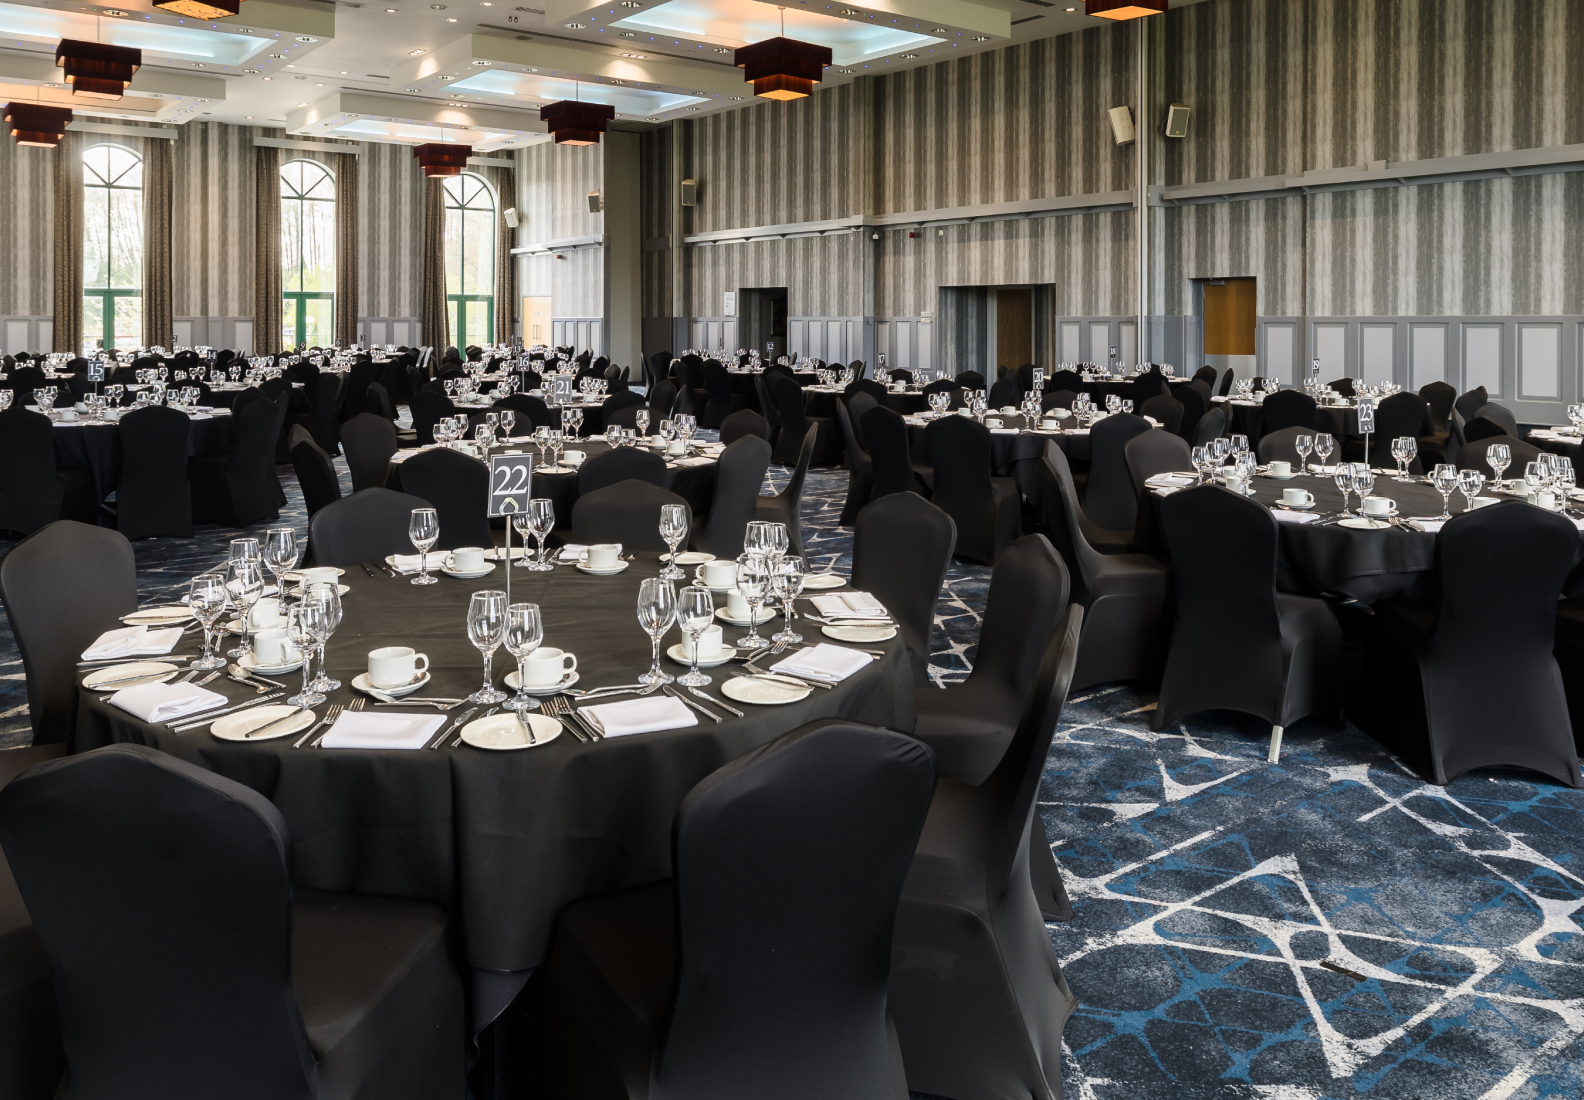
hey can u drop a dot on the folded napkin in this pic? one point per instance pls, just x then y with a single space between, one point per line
165 702
1077 431
830 663
850 605
1431 525
696 461
572 552
646 715
133 641
1153 421
1170 479
1003 431
1284 516
412 563
367 730
1166 490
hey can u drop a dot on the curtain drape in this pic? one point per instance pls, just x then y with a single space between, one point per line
347 228
159 328
266 252
432 315
68 278
504 180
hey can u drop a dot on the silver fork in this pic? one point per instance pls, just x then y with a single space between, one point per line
329 719
561 708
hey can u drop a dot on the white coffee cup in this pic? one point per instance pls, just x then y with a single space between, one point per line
720 573
546 666
657 441
899 387
709 644
1279 468
467 559
1235 482
965 411
1050 423
574 458
395 665
1303 498
1544 499
736 606
271 649
604 555
1485 502
265 615
992 423
676 447
67 414
318 575
1378 506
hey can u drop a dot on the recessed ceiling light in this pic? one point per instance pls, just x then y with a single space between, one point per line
438 7
319 85
277 56
628 34
112 11
480 61
942 30
981 38
252 72
345 73
415 89
302 104
1072 9
390 11
721 49
416 53
248 117
737 97
909 56
574 26
455 104
306 38
637 56
269 78
844 70
450 20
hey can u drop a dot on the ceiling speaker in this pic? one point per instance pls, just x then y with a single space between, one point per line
594 202
690 192
1122 124
1177 117
510 215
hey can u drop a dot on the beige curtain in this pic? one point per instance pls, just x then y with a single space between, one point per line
347 273
69 243
158 327
505 183
266 252
432 311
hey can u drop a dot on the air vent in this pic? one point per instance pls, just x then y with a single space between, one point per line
1027 19
496 27
1040 3
377 76
531 11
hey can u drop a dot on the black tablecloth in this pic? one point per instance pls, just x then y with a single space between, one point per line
503 839
822 402
98 446
1568 447
1243 418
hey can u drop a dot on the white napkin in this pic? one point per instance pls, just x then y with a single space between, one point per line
1166 490
826 662
850 605
165 702
572 552
1003 431
367 730
1431 525
1153 421
1169 479
646 715
696 461
412 563
1284 516
1077 431
133 641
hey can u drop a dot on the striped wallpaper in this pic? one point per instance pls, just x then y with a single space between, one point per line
27 236
212 223
823 275
390 240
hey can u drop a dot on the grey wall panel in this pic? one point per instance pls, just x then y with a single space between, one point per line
27 243
822 274
390 241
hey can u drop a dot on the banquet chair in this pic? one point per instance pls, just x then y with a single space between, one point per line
369 441
1063 380
623 418
1211 426
1193 405
1148 386
795 423
1401 414
744 422
1165 408
1569 653
531 413
860 468
1057 399
1482 428
240 985
1226 383
1470 403
1500 415
1441 397
33 490
1343 385
1109 500
972 380
1006 392
457 487
767 408
759 970
858 406
364 527
977 994
622 464
987 510
1237 643
325 420
738 476
1206 374
786 507
1472 456
946 385
1286 409
865 385
662 399
718 395
376 399
691 395
154 496
1123 595
902 546
970 724
1471 681
316 474
1202 388
428 408
62 587
627 512
890 454
619 402
1282 445
241 489
1156 451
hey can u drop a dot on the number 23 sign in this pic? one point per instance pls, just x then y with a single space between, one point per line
511 480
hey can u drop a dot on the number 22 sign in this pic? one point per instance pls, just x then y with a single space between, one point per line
511 479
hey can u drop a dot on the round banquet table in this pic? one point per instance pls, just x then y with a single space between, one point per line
503 839
97 445
1366 565
1247 418
821 401
1550 439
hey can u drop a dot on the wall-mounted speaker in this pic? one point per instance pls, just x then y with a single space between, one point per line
510 214
690 192
595 206
1177 118
1122 124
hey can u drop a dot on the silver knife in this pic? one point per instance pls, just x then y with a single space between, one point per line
281 721
208 718
456 723
691 705
299 742
702 694
129 679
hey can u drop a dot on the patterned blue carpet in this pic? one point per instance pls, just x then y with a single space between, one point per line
1210 886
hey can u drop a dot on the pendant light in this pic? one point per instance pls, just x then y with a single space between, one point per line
36 124
1124 9
573 122
783 68
96 70
202 9
438 161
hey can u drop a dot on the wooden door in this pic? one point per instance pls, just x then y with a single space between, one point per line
536 320
1014 328
1229 317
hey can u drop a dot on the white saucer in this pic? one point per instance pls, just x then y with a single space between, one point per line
343 589
726 653
764 616
499 552
362 683
690 557
238 726
765 693
566 681
503 732
859 633
249 664
157 616
1353 523
1293 507
817 581
295 576
1280 477
469 576
620 567
156 672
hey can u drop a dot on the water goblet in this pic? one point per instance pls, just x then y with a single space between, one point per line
486 628
787 583
1470 482
280 551
673 529
1363 481
1344 481
753 576
206 598
507 418
657 610
1304 445
524 632
423 528
641 419
1323 446
1444 478
695 615
305 629
1498 456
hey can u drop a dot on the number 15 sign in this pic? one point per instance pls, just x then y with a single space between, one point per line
511 479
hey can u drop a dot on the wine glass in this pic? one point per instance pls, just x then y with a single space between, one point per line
206 598
1344 481
328 594
1200 457
641 419
305 629
1240 446
486 627
1323 446
1470 482
1499 457
787 581
753 577
1445 479
1363 481
673 528
1304 445
524 632
424 531
657 610
1220 446
695 614
245 582
507 418
280 552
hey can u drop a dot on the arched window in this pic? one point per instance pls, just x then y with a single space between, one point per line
470 259
308 254
112 248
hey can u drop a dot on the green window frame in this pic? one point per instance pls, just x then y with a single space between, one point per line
308 260
112 247
470 259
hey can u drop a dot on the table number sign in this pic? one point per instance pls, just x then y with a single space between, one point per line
511 480
96 372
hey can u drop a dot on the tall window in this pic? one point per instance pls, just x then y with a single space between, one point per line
470 259
112 248
308 249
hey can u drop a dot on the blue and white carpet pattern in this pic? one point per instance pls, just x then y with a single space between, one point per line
1209 887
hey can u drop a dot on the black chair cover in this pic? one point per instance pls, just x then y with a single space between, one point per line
971 380
531 413
1193 409
902 546
622 464
1211 426
1287 409
860 475
1207 375
1470 403
234 987
618 402
890 456
370 441
865 385
1057 399
154 496
1441 397
1343 385
457 486
316 475
376 399
1156 451
795 425
1472 456
738 477
1109 500
1401 414
787 506
33 491
1005 392
718 404
662 399
1165 408
986 510
428 408
1282 445
1226 383
242 490
627 512
1147 386
355 401
858 406
744 422
1498 414
363 527
325 421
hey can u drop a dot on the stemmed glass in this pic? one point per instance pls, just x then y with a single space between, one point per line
206 597
1499 456
1304 445
524 632
1445 479
507 419
538 521
1220 447
1200 456
572 422
486 627
1363 482
1343 476
424 531
695 614
1323 446
1240 446
245 580
657 610
1470 482
673 528
281 551
306 628
641 419
329 595
787 581
753 575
